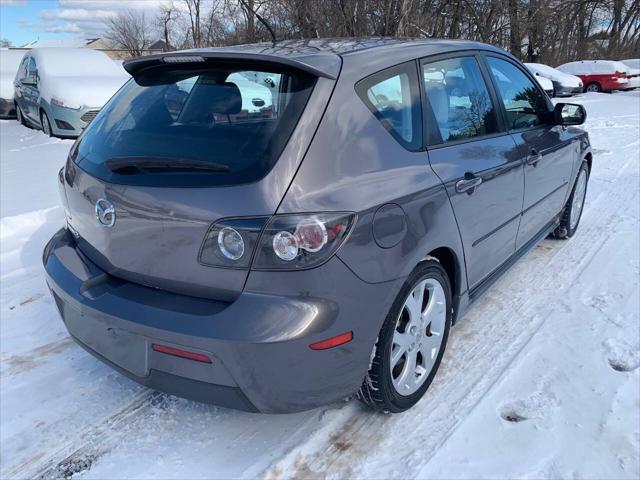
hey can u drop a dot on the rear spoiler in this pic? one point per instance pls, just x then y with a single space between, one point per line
321 64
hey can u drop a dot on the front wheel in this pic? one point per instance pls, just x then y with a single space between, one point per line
575 205
46 126
411 343
19 116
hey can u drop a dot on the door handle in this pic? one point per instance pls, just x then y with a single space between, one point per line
534 157
468 183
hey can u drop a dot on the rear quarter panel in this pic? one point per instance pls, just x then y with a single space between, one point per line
354 164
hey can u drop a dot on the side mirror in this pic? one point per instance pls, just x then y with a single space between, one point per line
569 114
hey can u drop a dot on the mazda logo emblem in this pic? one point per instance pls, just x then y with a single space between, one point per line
105 212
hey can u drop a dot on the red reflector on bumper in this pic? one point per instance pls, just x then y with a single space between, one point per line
176 352
333 341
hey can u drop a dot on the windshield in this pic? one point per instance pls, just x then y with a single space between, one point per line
201 127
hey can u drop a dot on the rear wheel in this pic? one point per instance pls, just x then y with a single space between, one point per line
593 87
46 126
575 205
411 343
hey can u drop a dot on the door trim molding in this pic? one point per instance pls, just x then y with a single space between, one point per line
544 198
484 284
495 230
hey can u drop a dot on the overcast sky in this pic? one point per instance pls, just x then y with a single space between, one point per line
23 21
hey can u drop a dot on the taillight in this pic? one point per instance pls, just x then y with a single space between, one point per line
285 242
230 243
296 242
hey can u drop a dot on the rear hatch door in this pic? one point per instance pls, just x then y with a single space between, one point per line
178 148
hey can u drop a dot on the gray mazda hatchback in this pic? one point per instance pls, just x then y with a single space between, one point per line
274 227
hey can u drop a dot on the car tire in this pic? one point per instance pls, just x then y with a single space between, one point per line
572 212
593 87
411 342
20 116
46 125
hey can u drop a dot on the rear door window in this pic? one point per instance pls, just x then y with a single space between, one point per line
459 99
22 71
29 71
524 103
393 97
209 126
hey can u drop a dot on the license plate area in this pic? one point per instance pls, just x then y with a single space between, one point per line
127 350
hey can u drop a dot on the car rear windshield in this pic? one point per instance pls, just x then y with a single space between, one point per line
206 126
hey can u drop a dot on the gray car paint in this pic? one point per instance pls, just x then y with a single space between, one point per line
257 326
173 222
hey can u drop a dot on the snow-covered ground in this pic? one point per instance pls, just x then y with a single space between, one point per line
540 379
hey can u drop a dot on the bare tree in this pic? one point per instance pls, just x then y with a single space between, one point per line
130 31
248 6
549 31
165 20
194 9
514 28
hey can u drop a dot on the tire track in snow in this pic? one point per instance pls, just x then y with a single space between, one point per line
482 347
87 446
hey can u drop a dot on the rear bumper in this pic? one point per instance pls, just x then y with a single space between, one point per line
259 344
7 108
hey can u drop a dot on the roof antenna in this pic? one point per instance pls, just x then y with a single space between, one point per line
260 19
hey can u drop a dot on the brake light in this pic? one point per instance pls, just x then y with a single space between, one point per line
183 59
333 341
176 352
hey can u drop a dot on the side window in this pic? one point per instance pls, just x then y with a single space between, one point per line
22 73
459 99
31 68
394 98
524 103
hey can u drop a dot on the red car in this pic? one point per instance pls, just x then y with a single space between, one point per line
599 75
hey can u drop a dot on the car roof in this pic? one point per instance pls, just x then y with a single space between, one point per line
323 56
347 46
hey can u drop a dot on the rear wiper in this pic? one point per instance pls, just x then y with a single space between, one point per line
134 165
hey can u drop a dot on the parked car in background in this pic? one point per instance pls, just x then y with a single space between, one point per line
545 83
276 259
599 75
9 63
634 72
564 84
60 90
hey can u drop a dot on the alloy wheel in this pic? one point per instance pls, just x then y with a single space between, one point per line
578 198
418 336
46 128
